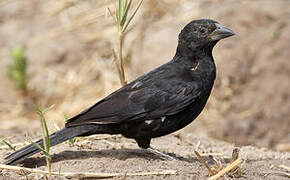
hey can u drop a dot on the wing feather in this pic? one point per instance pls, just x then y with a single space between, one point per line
146 100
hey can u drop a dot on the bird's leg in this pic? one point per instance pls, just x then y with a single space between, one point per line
160 154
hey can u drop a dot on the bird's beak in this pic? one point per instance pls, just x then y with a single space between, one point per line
221 32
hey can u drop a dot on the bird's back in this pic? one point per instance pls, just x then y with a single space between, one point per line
192 83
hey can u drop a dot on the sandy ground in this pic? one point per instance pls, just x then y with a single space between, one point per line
115 154
70 65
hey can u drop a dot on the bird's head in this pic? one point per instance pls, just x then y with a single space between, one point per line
202 34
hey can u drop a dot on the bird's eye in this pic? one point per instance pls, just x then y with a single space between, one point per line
203 30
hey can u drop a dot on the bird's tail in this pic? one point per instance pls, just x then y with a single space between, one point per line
55 138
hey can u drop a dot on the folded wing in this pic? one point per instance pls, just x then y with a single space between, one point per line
140 100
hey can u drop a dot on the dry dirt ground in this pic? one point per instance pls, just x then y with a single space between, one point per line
70 60
115 154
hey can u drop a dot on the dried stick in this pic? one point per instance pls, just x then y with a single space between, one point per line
201 159
285 167
211 172
87 175
226 169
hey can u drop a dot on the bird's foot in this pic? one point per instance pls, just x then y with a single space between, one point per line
161 154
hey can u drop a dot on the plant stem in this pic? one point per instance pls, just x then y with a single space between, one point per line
45 135
120 59
122 21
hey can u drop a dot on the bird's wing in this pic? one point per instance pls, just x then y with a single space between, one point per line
140 101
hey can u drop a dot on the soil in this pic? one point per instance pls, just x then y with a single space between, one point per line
115 154
70 64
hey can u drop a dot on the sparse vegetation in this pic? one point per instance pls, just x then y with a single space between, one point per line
46 139
9 145
238 112
122 21
17 71
72 141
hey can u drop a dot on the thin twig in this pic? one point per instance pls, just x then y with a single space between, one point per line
217 164
287 168
211 172
87 175
24 174
235 154
226 169
201 159
235 172
212 154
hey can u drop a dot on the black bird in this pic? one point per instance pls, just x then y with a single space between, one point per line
157 103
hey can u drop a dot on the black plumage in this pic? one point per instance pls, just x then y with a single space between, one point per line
157 103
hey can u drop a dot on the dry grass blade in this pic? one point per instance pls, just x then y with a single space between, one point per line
287 168
235 154
285 174
132 16
211 172
24 174
114 17
226 169
235 172
212 154
201 159
217 164
81 175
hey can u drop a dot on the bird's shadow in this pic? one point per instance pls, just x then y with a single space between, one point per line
120 154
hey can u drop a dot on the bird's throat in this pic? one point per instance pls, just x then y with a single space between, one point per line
193 53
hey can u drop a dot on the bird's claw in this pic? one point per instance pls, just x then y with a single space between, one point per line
161 154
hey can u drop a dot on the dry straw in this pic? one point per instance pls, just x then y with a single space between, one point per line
81 175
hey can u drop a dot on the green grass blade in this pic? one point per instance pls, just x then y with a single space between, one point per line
47 136
8 144
66 118
42 150
73 140
45 130
27 138
132 16
47 109
127 8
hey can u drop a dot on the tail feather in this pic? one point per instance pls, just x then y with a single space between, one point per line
55 138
